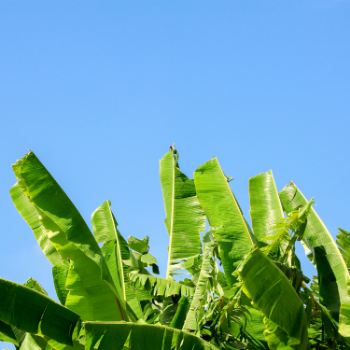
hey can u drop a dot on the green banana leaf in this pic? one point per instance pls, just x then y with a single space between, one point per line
10 334
270 290
343 243
185 218
277 338
34 342
31 311
140 245
181 312
332 270
105 231
255 323
224 215
160 287
30 215
203 284
35 285
89 295
117 256
59 274
265 206
113 336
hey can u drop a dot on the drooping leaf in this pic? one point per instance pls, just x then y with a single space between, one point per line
185 218
265 205
272 293
71 238
113 336
332 270
159 286
33 312
224 215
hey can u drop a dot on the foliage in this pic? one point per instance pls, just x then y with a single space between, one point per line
246 288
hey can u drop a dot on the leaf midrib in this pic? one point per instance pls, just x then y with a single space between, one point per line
172 218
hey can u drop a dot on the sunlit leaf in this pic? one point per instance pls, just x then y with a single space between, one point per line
224 215
185 218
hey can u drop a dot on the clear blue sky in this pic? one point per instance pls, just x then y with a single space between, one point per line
100 89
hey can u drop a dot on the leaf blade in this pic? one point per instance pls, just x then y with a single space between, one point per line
224 215
185 218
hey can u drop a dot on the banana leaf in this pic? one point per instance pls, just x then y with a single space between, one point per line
89 295
10 334
35 285
59 274
270 290
140 245
343 243
113 336
105 231
185 218
117 256
224 215
203 284
265 206
32 312
34 342
30 215
331 268
277 338
160 287
181 312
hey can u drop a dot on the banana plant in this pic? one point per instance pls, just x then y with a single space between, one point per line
244 286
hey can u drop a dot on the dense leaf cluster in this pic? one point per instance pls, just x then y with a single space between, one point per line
244 287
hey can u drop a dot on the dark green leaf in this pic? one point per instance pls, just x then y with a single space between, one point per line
33 312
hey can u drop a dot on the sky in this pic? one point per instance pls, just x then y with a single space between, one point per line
99 90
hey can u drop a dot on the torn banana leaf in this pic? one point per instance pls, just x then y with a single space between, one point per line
332 270
185 218
160 287
118 257
59 221
114 335
270 290
30 215
224 215
33 312
203 287
265 206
